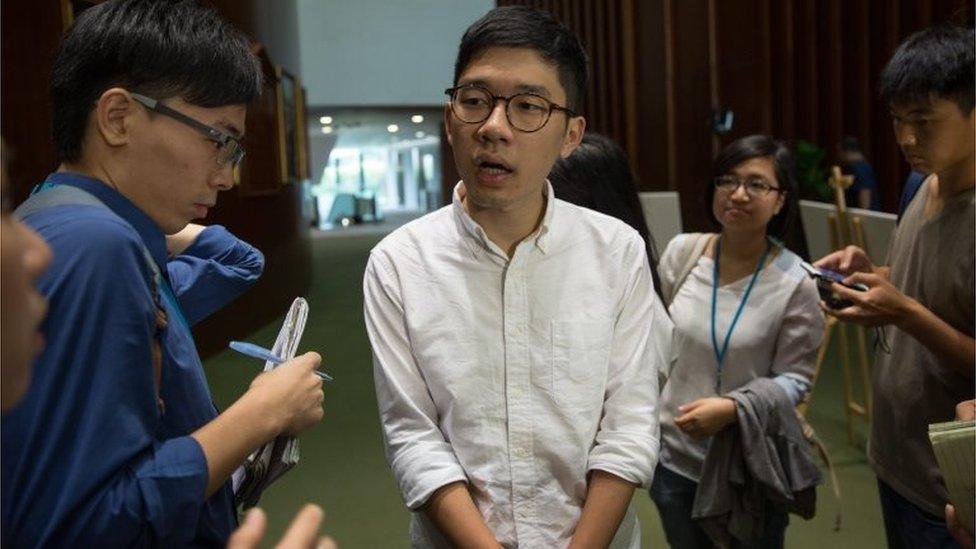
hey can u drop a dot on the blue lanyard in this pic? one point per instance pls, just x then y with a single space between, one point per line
720 353
169 296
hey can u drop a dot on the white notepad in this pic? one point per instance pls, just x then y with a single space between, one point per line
277 457
954 443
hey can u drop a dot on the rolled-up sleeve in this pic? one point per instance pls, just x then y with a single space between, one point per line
157 495
798 341
421 459
213 271
627 442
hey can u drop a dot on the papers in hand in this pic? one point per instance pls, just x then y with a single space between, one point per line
277 457
954 443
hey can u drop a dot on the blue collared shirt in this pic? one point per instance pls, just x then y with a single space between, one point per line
89 458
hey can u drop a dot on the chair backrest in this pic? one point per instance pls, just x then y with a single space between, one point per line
662 211
877 227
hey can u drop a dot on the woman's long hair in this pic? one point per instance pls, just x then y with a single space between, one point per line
597 176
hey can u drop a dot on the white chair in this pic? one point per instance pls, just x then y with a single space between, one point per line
662 211
877 229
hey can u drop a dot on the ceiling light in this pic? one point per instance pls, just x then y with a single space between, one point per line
417 118
326 120
419 135
326 130
393 128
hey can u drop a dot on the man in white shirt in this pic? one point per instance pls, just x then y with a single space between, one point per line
516 337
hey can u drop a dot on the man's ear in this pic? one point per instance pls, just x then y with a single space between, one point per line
113 116
574 135
447 124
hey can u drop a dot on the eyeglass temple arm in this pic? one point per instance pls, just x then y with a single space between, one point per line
155 105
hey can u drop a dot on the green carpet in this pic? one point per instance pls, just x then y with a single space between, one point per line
344 470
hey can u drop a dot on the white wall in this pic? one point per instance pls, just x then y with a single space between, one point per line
276 26
381 52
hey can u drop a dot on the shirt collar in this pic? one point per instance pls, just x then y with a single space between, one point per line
150 233
540 237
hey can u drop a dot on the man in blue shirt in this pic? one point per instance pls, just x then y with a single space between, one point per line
117 442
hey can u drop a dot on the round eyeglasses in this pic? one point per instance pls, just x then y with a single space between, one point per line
526 112
754 186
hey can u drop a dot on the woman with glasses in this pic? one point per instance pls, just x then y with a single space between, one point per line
747 322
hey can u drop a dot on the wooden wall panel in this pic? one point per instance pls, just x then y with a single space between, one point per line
783 54
742 79
606 29
798 69
28 53
654 141
693 103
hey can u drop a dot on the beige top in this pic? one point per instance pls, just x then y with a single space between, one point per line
777 337
931 261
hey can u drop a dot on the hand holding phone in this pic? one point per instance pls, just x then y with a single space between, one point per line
824 280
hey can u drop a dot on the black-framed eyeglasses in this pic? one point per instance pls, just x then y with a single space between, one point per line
754 186
526 112
229 148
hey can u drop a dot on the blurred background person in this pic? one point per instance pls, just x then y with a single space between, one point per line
864 192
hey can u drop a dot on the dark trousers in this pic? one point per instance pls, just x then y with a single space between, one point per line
909 527
674 496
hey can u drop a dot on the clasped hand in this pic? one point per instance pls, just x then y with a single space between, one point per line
706 416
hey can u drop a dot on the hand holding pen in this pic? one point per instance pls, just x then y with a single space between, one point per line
291 395
256 351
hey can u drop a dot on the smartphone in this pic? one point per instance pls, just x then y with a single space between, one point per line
824 279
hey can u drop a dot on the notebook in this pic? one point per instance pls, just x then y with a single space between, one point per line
954 443
268 463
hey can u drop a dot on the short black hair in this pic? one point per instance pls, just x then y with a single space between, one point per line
597 176
159 48
937 61
523 27
784 166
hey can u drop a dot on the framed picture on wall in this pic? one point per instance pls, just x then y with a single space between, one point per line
289 96
301 133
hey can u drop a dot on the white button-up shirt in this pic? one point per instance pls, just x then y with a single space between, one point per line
517 376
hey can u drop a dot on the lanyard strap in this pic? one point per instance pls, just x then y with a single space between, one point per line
158 272
169 296
720 353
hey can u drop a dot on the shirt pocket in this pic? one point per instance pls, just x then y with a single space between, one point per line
580 358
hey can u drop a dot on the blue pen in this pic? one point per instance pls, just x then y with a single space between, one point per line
256 351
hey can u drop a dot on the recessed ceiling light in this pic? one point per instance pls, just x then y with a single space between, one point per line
327 129
417 118
419 135
326 120
393 128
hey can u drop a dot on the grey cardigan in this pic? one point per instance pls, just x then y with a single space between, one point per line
764 457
